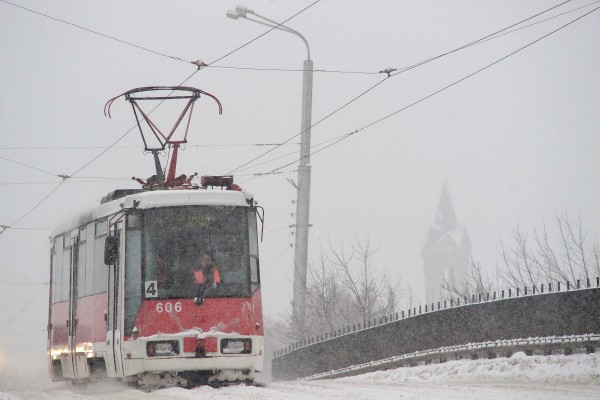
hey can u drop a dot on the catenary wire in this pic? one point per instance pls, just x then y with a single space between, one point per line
30 166
242 46
280 228
294 70
39 203
53 148
252 68
263 34
140 47
286 207
402 70
170 56
26 332
94 32
541 21
119 139
489 37
32 229
314 146
199 69
70 182
23 309
311 126
438 91
481 40
223 66
270 266
494 36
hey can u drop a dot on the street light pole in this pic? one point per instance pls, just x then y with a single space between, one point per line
303 198
304 169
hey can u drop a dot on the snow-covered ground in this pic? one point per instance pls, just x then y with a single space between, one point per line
519 377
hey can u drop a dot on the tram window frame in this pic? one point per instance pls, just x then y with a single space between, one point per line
66 241
82 263
66 268
101 228
134 286
57 270
134 221
90 264
100 279
253 249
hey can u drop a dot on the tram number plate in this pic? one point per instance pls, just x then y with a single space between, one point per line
150 289
168 307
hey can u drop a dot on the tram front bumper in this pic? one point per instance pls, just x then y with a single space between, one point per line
138 359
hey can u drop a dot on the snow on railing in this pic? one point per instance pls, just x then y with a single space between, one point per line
589 342
500 295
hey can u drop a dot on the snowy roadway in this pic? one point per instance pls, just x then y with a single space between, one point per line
520 377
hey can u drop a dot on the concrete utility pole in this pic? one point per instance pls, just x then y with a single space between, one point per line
304 169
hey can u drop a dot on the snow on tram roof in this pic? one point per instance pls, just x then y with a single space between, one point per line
155 199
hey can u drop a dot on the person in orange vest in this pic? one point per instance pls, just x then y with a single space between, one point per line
205 274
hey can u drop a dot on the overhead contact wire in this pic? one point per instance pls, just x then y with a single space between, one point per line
93 31
31 167
4 228
442 89
402 70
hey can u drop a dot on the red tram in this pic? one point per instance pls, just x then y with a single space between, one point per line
159 286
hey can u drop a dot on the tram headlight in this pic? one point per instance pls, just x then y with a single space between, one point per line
162 348
236 346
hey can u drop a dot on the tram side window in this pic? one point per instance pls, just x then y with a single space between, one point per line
90 263
101 228
81 263
57 269
133 271
253 242
66 269
100 272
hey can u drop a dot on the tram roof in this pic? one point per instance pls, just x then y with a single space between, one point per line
156 199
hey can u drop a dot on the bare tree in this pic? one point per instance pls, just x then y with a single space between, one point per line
569 257
475 282
342 289
325 302
372 295
391 296
519 267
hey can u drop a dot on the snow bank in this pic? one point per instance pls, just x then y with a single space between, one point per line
573 369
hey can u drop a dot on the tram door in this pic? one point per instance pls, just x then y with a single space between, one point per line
114 364
74 364
67 360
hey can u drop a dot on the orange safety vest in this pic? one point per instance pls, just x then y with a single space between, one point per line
200 277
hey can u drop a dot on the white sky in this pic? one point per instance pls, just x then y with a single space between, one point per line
516 143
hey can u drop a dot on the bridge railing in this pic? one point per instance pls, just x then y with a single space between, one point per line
541 310
566 345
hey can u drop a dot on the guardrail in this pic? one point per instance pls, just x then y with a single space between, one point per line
567 345
538 311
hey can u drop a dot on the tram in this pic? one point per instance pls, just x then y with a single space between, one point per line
159 286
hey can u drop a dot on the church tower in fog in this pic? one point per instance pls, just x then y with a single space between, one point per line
446 248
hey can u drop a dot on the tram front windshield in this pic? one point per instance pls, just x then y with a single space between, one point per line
178 241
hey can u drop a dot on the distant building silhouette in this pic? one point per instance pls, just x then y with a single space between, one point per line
446 248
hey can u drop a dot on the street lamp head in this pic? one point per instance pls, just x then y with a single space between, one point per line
242 11
233 14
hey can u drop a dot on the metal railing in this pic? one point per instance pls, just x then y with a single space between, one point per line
501 348
442 305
